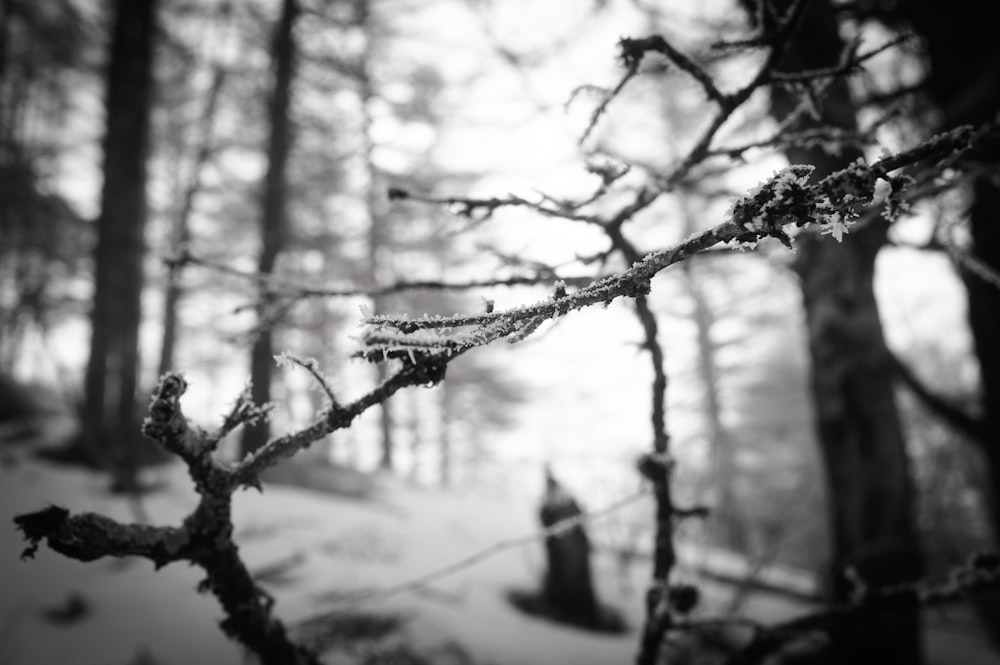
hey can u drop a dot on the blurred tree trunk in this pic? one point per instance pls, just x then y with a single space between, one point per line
182 223
870 488
378 220
273 220
984 321
726 513
965 83
6 11
413 423
446 415
110 424
568 589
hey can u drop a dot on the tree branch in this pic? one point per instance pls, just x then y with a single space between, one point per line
945 409
980 573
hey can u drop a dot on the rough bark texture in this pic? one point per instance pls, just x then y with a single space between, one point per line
871 497
273 221
110 423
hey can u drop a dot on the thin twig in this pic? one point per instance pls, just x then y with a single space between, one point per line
630 73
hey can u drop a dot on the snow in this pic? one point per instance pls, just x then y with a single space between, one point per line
341 547
319 549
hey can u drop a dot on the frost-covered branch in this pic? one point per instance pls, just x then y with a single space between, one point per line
90 536
205 536
787 199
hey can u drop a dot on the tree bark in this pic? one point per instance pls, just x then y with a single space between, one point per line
273 221
870 488
110 421
964 56
965 70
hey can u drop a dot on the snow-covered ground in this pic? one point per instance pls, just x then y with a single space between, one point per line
312 550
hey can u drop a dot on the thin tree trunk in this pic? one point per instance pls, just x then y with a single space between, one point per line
413 428
273 222
110 427
6 17
726 513
377 223
444 436
870 488
182 224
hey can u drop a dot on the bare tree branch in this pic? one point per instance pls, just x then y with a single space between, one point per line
958 418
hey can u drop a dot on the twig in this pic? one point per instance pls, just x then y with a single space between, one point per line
300 290
630 73
980 573
850 62
980 269
633 50
972 427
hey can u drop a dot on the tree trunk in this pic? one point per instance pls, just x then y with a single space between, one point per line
273 221
445 414
6 11
378 235
727 516
984 321
110 427
965 67
182 224
870 489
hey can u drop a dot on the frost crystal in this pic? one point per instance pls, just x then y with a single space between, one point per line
773 202
836 226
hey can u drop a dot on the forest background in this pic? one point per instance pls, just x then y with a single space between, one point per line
356 147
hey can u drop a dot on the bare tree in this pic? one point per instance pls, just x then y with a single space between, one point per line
870 487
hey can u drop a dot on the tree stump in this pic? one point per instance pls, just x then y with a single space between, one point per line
568 589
